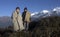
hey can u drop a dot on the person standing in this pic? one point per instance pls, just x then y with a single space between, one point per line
26 18
17 20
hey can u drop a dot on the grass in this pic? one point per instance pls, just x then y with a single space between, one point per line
46 27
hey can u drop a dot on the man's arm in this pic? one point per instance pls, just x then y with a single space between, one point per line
23 16
12 16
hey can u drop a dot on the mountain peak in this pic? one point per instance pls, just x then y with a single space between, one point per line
44 11
57 9
34 13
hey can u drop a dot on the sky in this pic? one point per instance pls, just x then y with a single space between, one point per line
8 6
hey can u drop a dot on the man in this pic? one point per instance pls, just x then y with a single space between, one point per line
17 20
26 18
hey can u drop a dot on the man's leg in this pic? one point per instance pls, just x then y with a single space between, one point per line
27 26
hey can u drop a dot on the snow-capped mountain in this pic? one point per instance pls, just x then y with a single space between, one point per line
45 13
57 11
34 13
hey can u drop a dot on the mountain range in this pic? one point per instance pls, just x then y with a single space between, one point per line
5 21
45 13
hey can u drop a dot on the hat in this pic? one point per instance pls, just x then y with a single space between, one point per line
25 8
17 8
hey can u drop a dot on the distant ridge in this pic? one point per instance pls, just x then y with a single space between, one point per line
5 21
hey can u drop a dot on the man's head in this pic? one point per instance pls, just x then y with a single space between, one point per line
17 9
25 9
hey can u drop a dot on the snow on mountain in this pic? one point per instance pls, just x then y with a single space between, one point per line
35 16
45 13
42 12
57 11
34 13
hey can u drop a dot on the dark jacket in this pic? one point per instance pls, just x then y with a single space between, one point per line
26 16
